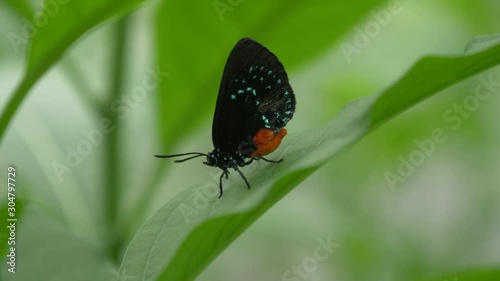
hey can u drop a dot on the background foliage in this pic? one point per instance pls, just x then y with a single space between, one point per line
93 61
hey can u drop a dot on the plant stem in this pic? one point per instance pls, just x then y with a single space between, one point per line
111 188
77 78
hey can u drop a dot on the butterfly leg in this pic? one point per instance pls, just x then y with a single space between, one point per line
267 160
224 173
242 175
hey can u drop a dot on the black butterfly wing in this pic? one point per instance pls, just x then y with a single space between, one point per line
254 94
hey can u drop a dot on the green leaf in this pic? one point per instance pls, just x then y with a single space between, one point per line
47 250
482 42
22 7
192 229
428 76
66 22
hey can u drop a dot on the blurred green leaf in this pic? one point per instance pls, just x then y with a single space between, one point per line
471 275
47 250
482 42
22 7
65 23
432 74
192 229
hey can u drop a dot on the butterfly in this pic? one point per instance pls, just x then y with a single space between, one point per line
254 104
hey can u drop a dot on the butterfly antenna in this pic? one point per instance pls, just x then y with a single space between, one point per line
195 154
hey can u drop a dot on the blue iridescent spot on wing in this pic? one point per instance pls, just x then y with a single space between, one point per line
268 95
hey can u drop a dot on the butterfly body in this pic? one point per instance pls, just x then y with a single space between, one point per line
254 104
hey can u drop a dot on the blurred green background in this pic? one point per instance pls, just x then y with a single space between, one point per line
443 218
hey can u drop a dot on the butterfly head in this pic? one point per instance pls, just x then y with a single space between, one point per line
218 158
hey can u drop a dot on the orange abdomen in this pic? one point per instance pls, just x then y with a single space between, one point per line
267 141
